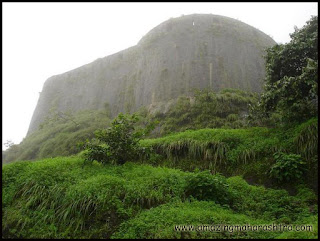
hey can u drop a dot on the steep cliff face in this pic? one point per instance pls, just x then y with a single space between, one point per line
194 51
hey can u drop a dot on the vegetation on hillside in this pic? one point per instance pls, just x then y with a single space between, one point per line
250 151
60 132
118 143
227 108
197 173
61 198
58 136
291 84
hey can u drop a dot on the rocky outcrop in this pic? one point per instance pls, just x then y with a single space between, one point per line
194 51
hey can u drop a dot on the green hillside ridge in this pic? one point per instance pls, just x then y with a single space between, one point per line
249 152
61 198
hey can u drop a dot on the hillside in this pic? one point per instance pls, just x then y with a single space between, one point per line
194 51
61 198
208 164
196 177
59 134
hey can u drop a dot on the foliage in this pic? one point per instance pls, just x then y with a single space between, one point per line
118 143
288 167
61 193
205 186
207 109
161 222
171 221
306 139
58 136
291 85
269 204
61 198
217 149
96 152
248 152
8 143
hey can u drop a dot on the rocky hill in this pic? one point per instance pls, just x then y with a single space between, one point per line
194 51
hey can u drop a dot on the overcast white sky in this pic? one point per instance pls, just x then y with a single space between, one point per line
44 39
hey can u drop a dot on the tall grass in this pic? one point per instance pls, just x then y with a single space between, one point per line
307 139
217 148
160 222
61 198
210 152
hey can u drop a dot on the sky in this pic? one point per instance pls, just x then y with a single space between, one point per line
40 40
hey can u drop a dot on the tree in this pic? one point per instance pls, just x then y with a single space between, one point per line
8 143
291 84
118 143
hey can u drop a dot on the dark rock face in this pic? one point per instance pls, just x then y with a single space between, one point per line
194 51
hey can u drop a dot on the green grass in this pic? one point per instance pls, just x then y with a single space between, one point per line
160 222
59 133
58 136
62 198
247 151
230 146
207 109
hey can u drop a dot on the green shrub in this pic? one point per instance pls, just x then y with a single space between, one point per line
205 186
288 167
232 117
270 204
291 83
94 152
120 142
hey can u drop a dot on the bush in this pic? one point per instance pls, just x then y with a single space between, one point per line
288 167
291 84
270 204
118 143
96 152
204 186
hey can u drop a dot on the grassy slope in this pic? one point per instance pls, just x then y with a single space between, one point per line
248 152
60 133
61 198
59 136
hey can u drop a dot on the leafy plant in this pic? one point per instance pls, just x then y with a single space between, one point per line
205 186
118 143
291 85
288 167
